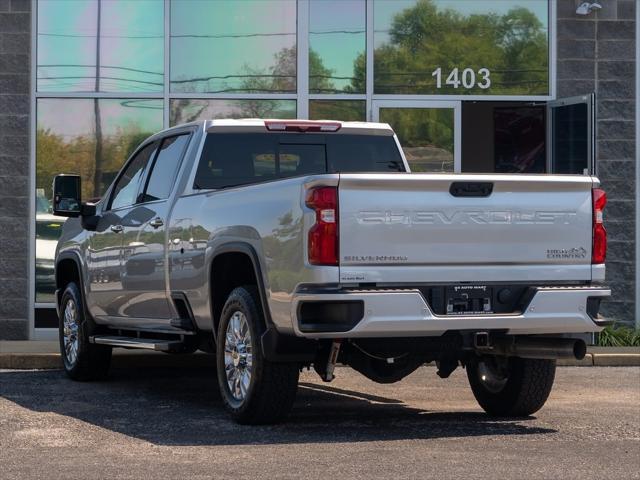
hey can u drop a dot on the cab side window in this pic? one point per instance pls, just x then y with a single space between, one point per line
165 167
125 191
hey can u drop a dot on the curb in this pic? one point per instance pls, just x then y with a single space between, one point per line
52 361
616 360
30 361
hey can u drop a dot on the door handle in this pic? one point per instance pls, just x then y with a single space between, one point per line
116 228
471 189
156 222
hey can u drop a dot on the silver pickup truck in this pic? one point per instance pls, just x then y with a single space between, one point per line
280 245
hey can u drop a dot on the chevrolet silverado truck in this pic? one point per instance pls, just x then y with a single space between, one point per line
280 245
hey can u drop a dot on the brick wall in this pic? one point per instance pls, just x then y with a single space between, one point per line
597 53
15 41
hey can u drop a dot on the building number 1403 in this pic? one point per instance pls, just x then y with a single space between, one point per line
468 79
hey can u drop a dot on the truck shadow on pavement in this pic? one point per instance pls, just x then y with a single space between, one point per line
176 406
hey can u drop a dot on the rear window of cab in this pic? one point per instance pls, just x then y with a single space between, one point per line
232 159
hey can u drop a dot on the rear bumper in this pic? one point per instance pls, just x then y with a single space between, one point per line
403 313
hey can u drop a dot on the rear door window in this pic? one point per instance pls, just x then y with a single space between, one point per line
165 167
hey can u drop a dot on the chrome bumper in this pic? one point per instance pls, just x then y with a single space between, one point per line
405 313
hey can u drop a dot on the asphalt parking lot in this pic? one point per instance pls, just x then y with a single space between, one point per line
169 423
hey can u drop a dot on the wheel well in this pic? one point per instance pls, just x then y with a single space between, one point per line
67 271
228 271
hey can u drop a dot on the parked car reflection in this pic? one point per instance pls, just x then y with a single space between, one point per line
48 229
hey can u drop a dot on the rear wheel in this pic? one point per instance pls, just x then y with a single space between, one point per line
254 390
511 386
81 360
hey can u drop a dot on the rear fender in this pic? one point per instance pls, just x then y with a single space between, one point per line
247 250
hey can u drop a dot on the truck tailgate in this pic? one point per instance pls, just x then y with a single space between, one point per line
399 228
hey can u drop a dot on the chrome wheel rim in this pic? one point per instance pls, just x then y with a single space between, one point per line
492 376
238 356
70 332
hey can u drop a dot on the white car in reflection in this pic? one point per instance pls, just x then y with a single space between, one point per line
48 229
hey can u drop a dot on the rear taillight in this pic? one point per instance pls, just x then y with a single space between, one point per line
599 248
323 236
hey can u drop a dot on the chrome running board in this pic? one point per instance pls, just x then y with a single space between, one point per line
130 342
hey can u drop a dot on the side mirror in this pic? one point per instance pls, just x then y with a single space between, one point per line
66 196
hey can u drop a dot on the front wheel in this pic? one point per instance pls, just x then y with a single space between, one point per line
81 360
512 387
254 390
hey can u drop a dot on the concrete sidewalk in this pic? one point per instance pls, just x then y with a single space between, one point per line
46 355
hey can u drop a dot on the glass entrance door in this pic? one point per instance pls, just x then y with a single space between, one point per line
429 132
571 135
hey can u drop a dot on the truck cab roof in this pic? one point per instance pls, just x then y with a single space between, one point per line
261 125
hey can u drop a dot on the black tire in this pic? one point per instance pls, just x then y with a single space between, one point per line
272 386
523 387
90 361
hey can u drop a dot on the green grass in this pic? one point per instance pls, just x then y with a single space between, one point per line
619 336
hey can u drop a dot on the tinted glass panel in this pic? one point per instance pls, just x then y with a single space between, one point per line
426 136
125 192
461 47
519 139
89 137
570 139
337 40
343 110
185 110
302 159
165 167
98 45
48 230
363 153
232 46
238 159
263 166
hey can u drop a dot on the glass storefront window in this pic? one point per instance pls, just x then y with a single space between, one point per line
90 137
426 136
233 46
343 110
184 110
459 47
337 42
100 46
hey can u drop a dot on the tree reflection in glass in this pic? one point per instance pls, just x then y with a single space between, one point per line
66 142
184 110
413 38
342 110
232 46
100 46
426 136
336 40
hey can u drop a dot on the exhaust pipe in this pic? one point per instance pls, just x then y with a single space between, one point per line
531 347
